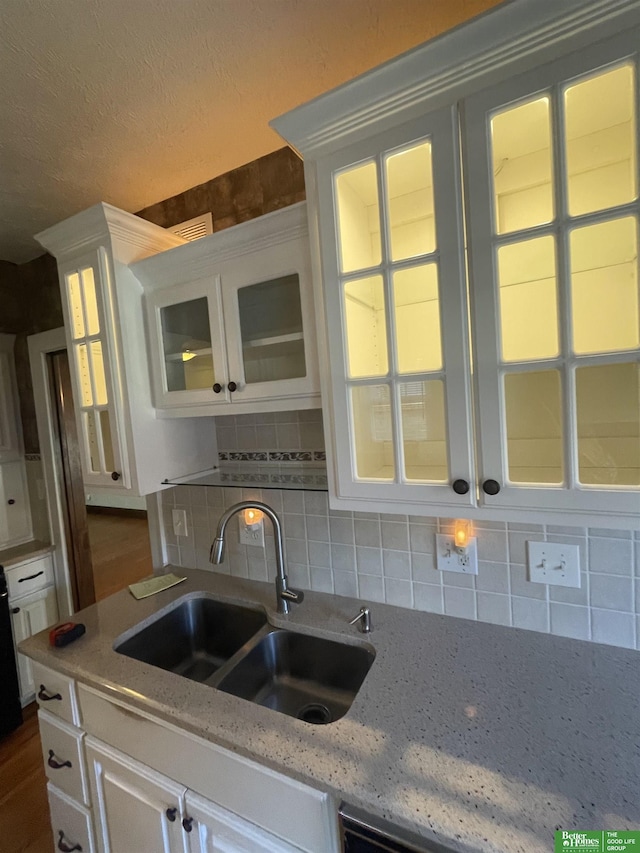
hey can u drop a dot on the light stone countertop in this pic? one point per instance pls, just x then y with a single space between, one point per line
482 737
27 551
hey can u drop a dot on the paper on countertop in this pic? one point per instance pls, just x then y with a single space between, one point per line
150 586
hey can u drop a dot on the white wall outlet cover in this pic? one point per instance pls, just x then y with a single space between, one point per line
179 517
450 559
251 534
554 563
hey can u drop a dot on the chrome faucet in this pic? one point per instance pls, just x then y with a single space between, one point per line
285 595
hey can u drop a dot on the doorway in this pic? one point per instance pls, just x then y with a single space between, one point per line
99 550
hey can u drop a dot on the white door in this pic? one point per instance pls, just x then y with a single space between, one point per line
552 179
135 808
217 830
395 305
15 511
87 292
187 344
268 309
29 615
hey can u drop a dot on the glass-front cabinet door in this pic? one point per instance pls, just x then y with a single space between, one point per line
186 335
269 323
552 170
100 432
395 312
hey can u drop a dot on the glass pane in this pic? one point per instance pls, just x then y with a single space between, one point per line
604 286
424 431
372 432
366 327
75 305
608 412
533 409
528 301
358 218
417 310
411 213
521 160
186 341
84 375
600 145
90 302
93 442
271 330
107 441
100 382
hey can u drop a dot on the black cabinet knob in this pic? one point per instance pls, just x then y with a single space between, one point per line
232 386
11 501
187 824
460 487
171 814
15 610
491 487
217 388
66 847
115 475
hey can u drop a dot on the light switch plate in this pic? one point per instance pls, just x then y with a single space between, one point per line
554 563
448 559
179 517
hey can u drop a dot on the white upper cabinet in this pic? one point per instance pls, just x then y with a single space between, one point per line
496 203
123 447
230 320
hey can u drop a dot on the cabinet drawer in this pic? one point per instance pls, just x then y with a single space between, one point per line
63 754
56 693
28 577
70 822
303 816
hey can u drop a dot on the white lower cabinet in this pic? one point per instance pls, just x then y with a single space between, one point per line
126 782
137 808
134 807
71 823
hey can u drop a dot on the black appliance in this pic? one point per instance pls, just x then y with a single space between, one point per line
362 833
10 710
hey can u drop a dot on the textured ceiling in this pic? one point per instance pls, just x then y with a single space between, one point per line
133 101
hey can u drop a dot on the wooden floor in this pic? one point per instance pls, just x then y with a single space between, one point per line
121 555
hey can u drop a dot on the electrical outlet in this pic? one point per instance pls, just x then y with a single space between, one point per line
553 563
179 517
451 559
251 534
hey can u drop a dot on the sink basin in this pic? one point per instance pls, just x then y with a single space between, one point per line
195 638
310 678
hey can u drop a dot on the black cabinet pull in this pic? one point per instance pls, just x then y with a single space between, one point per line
491 487
64 847
45 696
115 475
171 814
15 610
187 824
31 577
217 388
55 764
232 386
11 501
460 487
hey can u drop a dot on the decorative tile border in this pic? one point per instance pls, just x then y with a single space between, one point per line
275 456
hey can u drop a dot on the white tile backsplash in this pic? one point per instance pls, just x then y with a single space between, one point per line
391 558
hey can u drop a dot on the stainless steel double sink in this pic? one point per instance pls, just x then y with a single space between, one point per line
234 649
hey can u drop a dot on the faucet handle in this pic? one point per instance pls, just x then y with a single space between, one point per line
363 618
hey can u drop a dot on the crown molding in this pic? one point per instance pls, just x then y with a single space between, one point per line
450 66
103 222
202 257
